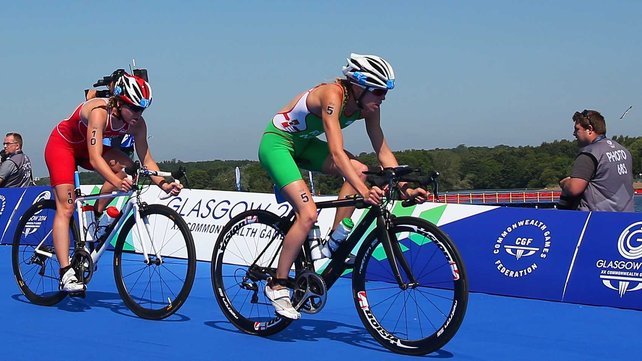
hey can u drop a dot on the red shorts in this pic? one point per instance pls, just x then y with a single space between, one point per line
62 158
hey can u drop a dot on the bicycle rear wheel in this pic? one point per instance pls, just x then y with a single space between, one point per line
156 287
33 258
245 255
422 317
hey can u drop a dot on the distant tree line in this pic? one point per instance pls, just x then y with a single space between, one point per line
461 168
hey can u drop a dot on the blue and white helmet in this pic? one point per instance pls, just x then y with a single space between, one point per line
370 71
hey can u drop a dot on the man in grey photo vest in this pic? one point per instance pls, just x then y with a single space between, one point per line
15 170
602 174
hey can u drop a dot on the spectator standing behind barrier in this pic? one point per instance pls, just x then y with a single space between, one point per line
15 170
601 178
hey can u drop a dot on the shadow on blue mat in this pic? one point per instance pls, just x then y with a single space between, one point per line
97 299
323 330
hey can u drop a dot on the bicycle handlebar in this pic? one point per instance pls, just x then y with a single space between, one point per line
136 169
391 177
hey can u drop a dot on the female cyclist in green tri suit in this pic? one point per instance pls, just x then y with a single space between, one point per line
290 140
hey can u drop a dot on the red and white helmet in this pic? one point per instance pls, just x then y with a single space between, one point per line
370 71
133 90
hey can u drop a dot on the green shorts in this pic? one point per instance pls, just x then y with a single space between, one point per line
281 157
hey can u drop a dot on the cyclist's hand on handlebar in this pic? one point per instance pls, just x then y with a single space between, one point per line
172 188
374 196
418 195
126 184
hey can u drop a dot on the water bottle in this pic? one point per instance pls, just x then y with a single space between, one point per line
314 240
107 218
339 235
90 221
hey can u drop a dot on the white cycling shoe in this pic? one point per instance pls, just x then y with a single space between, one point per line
281 301
69 283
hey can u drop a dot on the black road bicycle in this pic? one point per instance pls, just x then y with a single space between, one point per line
408 280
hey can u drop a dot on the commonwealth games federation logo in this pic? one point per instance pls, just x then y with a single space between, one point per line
521 246
624 275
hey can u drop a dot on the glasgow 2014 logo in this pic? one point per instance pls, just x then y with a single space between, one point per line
624 275
521 247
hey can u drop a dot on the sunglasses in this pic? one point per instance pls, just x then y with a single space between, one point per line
377 91
586 114
134 108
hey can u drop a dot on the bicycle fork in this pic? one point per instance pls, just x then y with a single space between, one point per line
395 255
142 226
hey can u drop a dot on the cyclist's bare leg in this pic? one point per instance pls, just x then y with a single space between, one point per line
65 198
330 167
117 160
299 196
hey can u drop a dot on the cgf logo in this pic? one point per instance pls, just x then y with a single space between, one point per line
624 275
521 247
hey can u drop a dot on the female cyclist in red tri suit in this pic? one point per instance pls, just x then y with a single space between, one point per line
78 140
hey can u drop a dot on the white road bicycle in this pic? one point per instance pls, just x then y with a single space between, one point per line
154 253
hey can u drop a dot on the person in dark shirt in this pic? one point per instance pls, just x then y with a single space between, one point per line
601 178
15 170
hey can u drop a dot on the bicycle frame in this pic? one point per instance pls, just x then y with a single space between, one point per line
337 264
132 204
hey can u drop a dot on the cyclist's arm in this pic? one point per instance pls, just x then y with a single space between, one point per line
139 131
386 157
96 121
377 139
331 101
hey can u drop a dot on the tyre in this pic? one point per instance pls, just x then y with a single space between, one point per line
245 255
420 318
156 287
33 258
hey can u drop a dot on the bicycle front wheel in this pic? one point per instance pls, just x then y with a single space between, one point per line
33 257
245 255
418 317
155 262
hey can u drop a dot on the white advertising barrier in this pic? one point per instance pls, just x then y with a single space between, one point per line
206 212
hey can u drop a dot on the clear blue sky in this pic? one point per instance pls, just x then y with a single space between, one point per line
479 73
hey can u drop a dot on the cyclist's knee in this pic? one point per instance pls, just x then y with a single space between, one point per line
115 166
308 217
65 210
359 168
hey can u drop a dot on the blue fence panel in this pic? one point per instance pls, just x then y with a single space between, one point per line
608 266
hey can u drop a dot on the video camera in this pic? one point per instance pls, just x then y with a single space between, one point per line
109 80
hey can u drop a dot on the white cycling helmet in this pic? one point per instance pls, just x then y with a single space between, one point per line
370 70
